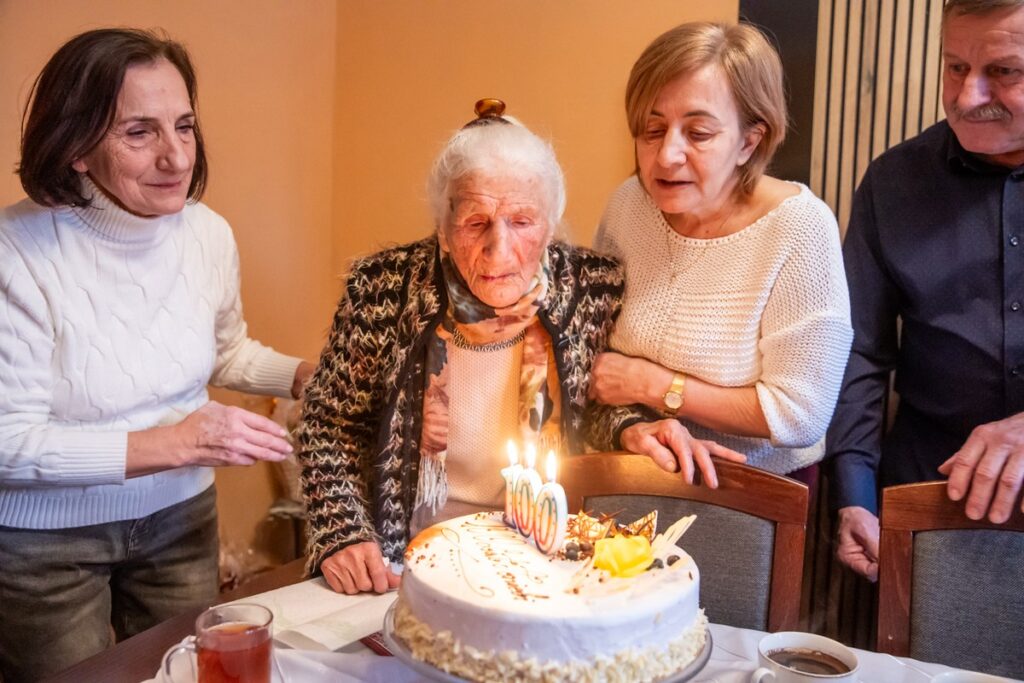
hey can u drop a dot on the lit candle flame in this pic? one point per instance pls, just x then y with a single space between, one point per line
531 456
513 453
552 466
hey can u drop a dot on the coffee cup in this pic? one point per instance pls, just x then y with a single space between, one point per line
232 644
794 657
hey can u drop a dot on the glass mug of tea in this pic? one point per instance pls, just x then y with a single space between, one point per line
794 657
232 644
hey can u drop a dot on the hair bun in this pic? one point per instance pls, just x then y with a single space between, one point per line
489 108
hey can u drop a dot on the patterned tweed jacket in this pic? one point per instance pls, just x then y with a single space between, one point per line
360 431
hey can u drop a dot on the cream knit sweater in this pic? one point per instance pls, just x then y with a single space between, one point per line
111 323
765 307
483 391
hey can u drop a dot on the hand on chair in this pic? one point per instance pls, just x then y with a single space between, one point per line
991 466
674 449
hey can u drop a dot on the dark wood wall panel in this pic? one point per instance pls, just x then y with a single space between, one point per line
877 83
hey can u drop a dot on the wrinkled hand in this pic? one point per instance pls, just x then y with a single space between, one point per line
991 465
858 541
674 449
435 424
217 435
618 380
302 375
359 568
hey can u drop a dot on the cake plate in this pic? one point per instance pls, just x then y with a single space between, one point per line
401 650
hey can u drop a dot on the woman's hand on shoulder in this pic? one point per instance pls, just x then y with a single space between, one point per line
359 568
674 449
217 435
619 380
302 375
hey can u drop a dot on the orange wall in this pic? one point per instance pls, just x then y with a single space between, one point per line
265 100
266 74
322 118
409 73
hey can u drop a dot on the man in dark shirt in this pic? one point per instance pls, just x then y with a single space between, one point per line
936 239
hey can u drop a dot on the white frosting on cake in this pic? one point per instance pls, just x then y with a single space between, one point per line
480 588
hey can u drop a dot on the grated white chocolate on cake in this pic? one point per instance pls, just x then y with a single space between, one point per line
480 602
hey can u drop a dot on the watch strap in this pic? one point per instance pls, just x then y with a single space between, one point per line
674 397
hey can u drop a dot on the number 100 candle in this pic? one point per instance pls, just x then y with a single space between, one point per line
511 474
552 514
527 485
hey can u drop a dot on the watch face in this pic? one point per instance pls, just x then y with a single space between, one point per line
673 400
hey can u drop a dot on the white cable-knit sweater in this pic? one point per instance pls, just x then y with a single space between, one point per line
765 307
111 323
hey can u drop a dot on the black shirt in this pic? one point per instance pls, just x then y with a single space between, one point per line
936 238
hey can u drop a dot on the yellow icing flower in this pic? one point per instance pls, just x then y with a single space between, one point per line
623 556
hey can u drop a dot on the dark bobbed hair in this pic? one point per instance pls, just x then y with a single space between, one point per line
73 103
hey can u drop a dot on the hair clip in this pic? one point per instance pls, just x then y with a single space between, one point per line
488 110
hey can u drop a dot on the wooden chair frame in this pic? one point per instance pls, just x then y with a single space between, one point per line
740 487
905 510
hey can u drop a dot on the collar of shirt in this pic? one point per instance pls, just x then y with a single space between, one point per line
960 159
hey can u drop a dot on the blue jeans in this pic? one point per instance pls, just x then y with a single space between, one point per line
61 590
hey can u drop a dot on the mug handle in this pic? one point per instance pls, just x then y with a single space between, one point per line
187 645
759 675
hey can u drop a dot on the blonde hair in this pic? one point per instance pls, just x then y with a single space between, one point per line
750 64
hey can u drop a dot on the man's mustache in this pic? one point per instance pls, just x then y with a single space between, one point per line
984 113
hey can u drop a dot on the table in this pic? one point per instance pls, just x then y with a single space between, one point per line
138 658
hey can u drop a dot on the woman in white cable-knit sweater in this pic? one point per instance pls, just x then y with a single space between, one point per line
119 302
735 322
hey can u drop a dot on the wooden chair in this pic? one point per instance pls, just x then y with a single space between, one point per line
598 483
983 562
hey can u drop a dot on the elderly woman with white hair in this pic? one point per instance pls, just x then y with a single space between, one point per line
443 349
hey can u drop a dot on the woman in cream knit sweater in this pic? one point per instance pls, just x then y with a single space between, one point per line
735 321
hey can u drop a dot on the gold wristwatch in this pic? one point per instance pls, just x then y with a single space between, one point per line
674 398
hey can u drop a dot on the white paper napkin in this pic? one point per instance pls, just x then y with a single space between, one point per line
311 616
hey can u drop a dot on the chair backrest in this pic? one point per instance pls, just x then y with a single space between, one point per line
748 540
950 589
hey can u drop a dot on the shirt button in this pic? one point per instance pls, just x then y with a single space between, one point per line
1015 306
1014 241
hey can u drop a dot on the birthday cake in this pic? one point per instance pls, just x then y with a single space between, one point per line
479 601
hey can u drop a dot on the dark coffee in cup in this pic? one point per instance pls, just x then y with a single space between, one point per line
808 661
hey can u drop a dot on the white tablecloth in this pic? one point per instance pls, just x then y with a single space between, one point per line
311 621
732 660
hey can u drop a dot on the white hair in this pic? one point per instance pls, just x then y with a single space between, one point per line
496 148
